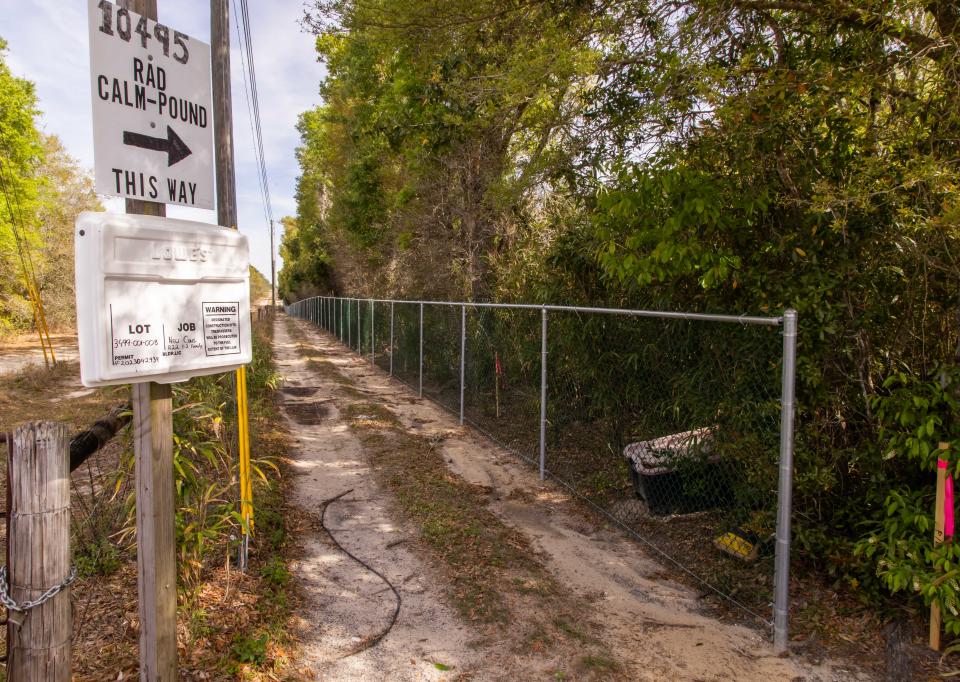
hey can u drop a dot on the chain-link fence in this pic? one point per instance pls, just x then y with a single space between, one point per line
678 427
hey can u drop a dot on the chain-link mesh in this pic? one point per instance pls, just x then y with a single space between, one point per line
502 377
670 427
406 343
441 355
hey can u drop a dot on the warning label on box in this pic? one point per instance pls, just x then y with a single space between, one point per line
221 328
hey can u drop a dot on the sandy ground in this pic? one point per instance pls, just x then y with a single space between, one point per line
653 624
345 603
17 356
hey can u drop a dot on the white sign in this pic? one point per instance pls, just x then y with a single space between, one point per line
159 299
152 112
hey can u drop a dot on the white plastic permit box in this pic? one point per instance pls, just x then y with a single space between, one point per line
159 299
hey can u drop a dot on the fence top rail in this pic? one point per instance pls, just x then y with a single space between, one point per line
706 317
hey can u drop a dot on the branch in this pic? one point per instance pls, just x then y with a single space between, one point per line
86 443
855 17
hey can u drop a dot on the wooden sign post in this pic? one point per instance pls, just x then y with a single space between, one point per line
156 533
156 511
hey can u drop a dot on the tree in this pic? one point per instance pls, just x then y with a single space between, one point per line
21 152
740 156
43 190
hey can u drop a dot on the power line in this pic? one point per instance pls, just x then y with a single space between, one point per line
253 103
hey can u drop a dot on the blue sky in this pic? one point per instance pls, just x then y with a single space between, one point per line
48 44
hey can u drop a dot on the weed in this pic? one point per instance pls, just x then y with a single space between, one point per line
599 664
275 572
250 649
570 630
97 558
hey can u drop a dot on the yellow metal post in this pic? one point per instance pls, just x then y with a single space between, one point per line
243 438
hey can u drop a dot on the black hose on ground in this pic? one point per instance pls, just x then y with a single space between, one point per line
369 643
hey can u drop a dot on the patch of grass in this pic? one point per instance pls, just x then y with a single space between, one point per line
369 414
572 631
596 663
327 370
101 557
250 649
275 572
538 640
38 393
470 541
528 586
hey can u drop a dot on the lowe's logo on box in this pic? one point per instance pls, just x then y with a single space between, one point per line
196 254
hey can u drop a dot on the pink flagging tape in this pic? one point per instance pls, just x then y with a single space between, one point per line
947 501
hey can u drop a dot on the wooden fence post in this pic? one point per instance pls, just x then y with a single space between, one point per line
38 647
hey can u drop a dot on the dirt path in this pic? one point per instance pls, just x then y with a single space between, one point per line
654 625
346 604
14 358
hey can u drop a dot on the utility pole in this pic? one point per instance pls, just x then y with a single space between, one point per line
223 113
227 217
156 513
273 271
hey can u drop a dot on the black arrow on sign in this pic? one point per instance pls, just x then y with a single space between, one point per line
176 149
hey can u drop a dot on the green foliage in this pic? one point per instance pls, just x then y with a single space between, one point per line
98 558
275 572
918 425
205 472
41 191
251 649
704 156
21 152
918 417
259 286
438 119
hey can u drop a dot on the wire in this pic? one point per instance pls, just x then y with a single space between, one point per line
253 103
246 94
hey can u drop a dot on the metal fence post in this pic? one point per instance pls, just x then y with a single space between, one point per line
463 354
391 338
543 396
373 338
781 606
359 330
421 349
